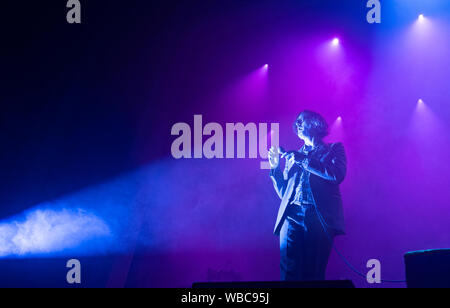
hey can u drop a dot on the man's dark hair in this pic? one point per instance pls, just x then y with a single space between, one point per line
315 123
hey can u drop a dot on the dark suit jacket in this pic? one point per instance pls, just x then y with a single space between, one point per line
328 169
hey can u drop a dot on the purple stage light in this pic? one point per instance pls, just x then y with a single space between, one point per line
428 129
421 17
335 42
266 67
336 131
420 105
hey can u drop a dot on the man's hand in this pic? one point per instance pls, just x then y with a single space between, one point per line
290 161
293 158
274 157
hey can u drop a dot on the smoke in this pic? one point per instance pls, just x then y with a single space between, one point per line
43 231
101 219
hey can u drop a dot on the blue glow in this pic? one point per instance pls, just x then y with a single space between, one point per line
42 231
116 216
100 219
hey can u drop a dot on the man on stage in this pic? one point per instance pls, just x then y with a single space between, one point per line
311 213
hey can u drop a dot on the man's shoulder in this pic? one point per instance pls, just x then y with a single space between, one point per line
336 147
337 150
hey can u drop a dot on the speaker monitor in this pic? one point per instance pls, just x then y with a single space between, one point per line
428 268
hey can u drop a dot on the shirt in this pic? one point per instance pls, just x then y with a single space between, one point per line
303 192
303 197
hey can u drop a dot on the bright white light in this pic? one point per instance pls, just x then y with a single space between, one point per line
421 17
335 42
266 67
420 105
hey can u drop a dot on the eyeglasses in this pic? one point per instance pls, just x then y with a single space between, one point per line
298 123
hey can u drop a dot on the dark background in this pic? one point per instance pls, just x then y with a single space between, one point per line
82 103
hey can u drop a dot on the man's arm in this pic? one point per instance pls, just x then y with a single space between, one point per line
334 166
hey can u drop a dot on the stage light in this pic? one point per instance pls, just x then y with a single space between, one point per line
335 42
421 17
266 67
336 131
421 106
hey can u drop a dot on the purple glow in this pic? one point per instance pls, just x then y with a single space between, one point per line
374 94
395 152
421 18
266 67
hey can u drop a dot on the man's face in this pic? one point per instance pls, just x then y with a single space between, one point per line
302 130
